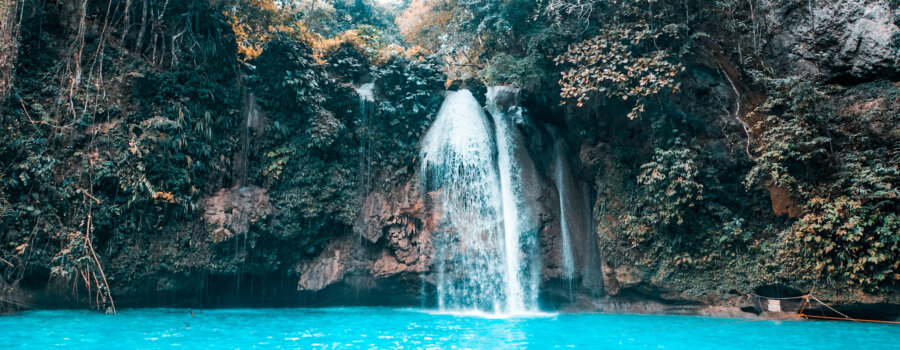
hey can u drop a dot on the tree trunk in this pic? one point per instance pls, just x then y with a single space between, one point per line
11 15
138 46
126 23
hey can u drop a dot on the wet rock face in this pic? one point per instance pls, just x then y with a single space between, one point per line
389 265
838 39
621 277
507 98
350 257
372 214
231 211
392 237
329 267
405 242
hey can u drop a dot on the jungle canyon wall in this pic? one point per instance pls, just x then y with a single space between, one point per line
272 182
714 158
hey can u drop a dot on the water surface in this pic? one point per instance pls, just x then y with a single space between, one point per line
385 328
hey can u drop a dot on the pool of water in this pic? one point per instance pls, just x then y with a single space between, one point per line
386 328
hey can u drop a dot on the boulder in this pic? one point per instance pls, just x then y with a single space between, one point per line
835 40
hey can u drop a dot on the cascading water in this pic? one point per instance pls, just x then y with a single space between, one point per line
458 162
477 260
561 168
522 285
251 121
366 94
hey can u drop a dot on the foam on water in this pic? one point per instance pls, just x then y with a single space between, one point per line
490 315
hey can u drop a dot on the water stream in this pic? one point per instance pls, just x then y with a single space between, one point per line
560 171
366 94
459 167
469 167
522 286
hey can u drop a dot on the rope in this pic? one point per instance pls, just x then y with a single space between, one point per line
802 307
14 303
799 314
785 298
830 308
806 303
847 319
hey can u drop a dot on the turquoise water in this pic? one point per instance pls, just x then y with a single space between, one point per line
384 328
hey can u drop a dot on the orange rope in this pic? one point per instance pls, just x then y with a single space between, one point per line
799 314
805 301
847 319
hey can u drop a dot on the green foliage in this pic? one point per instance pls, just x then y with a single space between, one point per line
348 14
504 42
847 240
831 149
618 63
671 202
290 82
150 136
371 39
671 181
348 62
308 160
311 164
191 112
499 23
672 219
796 143
524 72
408 95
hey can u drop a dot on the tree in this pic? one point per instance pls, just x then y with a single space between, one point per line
618 63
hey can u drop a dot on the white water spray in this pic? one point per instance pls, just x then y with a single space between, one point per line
366 94
568 259
472 176
521 300
458 163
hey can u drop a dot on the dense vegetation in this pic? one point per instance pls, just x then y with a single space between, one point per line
685 191
124 115
714 169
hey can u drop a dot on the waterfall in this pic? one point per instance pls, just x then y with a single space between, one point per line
470 173
366 94
458 162
251 122
560 171
518 278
